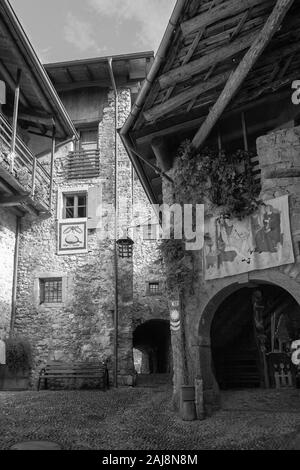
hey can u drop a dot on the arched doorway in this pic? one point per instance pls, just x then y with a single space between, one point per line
251 334
152 347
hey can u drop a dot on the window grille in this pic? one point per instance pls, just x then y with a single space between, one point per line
154 288
50 291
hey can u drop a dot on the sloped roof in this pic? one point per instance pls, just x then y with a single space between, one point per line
38 98
204 45
128 69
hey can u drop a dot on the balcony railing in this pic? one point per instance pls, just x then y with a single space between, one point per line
25 169
83 164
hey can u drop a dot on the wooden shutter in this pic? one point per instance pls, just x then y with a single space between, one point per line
94 204
59 205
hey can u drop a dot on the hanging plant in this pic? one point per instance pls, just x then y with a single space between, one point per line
224 180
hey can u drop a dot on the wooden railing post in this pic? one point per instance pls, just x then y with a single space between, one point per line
15 120
52 165
33 177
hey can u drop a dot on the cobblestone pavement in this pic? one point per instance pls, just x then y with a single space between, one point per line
143 419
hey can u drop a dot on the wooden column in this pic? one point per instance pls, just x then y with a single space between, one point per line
15 119
52 165
245 136
163 157
238 76
33 176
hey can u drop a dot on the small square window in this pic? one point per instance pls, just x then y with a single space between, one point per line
154 288
51 291
75 206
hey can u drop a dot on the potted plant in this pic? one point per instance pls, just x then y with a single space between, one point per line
14 375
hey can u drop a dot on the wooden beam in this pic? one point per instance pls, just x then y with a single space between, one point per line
193 124
184 97
11 201
60 87
237 78
162 154
232 8
185 72
12 84
15 118
37 119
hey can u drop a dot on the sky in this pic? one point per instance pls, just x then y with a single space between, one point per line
77 29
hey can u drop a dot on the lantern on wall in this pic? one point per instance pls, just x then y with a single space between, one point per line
125 247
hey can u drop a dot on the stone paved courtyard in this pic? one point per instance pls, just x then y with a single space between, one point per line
142 419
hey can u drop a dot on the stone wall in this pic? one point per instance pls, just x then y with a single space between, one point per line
279 161
8 223
82 326
147 267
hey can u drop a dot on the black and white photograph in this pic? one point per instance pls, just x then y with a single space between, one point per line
149 229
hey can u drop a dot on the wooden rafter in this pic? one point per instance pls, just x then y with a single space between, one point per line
236 79
173 103
11 201
69 75
218 13
195 67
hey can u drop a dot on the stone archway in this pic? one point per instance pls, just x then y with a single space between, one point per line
153 340
271 278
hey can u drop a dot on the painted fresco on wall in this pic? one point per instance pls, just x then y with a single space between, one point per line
72 237
260 241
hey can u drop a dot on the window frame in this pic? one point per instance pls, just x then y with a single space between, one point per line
46 299
44 275
76 196
157 292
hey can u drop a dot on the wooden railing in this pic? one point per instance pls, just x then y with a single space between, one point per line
25 167
83 164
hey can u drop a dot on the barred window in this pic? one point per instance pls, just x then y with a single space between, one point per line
154 288
51 291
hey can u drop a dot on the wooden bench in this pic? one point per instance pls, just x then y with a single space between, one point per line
80 371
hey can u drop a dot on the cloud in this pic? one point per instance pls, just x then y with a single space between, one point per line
153 16
79 33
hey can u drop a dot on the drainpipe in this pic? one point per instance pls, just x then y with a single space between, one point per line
116 314
15 277
158 60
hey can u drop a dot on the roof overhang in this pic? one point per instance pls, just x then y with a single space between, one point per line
40 104
216 59
128 70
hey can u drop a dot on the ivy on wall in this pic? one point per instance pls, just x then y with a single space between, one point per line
225 180
224 183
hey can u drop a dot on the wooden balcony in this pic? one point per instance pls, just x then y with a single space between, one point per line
26 181
84 164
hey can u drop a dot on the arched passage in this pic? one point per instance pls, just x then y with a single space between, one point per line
275 286
153 340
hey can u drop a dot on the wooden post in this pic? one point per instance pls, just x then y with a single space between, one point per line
52 165
245 137
15 119
33 177
238 76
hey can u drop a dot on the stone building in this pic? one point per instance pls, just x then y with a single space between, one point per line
66 296
226 76
29 106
